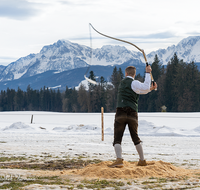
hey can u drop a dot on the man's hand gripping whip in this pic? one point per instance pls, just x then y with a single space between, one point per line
127 43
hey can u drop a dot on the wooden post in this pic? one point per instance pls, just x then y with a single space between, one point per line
32 119
102 124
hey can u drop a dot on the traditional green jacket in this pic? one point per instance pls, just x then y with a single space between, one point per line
126 96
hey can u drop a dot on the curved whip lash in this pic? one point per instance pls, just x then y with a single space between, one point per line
89 80
127 43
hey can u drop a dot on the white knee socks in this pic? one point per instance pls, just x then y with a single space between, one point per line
118 150
140 151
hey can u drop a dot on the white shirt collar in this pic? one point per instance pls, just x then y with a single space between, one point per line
130 77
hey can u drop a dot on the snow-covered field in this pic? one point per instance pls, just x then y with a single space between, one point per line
170 137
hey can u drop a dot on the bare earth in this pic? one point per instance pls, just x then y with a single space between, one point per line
134 177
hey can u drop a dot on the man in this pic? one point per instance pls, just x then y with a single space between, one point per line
126 113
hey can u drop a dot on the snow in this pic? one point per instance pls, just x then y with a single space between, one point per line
54 87
64 55
18 75
187 49
84 83
171 137
18 126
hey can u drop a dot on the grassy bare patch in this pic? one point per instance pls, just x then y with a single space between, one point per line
75 163
12 158
97 184
100 184
16 183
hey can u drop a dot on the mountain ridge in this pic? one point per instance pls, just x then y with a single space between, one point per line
187 49
64 55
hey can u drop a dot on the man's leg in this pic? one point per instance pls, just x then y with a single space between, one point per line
142 161
119 161
140 151
118 150
119 127
133 128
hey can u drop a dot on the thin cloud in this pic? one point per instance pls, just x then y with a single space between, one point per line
5 60
18 10
194 33
154 36
77 2
159 35
66 2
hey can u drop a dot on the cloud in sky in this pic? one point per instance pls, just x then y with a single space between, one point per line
28 25
193 33
153 36
18 9
159 35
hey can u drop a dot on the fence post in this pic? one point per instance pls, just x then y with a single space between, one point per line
102 124
32 119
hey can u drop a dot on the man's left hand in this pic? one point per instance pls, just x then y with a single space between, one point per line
153 86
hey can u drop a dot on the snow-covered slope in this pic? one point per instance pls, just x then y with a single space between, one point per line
111 55
187 49
62 56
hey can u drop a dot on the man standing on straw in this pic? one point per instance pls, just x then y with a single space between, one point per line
127 112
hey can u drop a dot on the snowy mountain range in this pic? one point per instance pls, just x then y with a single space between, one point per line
187 49
58 63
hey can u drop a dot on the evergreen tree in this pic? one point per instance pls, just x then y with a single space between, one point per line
99 95
139 77
82 98
120 74
19 100
103 96
96 99
10 99
70 103
188 87
74 97
91 98
65 100
58 101
156 68
116 78
92 77
153 104
3 101
35 101
27 97
53 103
169 85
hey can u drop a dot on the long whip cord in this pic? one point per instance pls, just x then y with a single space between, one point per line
90 50
127 43
91 54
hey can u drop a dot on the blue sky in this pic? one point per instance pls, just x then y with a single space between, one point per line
28 25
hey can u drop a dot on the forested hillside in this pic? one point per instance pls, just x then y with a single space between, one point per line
178 87
178 90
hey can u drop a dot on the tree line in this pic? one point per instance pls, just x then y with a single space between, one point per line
30 100
178 87
178 90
